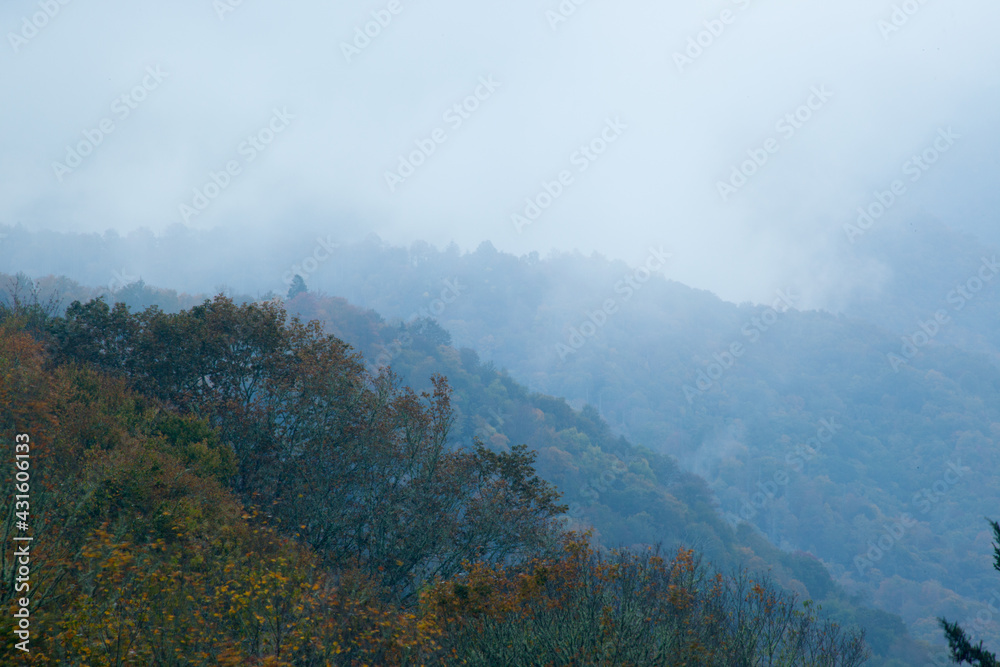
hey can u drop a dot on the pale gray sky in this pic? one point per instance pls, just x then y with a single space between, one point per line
200 80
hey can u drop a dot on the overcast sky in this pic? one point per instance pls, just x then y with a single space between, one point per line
191 87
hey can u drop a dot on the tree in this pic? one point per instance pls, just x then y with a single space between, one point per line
359 468
149 558
298 287
22 300
429 332
630 608
962 650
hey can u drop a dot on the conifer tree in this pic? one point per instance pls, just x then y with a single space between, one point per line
962 649
298 287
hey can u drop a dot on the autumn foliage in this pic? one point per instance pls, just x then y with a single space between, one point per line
624 608
228 487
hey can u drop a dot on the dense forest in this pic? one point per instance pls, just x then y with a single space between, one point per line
227 485
911 442
810 456
520 334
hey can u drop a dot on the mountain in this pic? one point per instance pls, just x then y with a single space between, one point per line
743 395
823 432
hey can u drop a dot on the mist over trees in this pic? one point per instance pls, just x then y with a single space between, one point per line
687 421
227 484
502 334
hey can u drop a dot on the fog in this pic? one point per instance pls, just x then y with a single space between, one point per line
537 126
667 162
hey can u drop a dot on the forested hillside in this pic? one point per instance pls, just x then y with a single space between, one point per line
827 433
630 496
908 456
223 487
928 267
519 334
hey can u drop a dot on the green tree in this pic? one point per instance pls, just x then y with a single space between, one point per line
962 649
360 468
298 287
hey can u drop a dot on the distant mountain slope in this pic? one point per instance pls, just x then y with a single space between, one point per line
933 268
916 427
629 495
915 438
